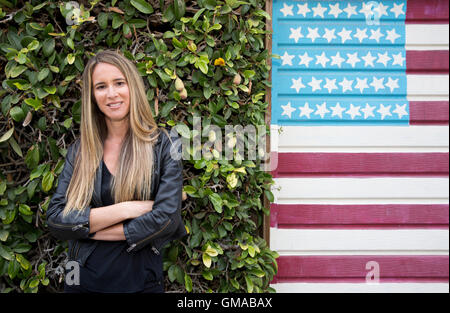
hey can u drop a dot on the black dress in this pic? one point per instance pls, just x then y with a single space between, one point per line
111 269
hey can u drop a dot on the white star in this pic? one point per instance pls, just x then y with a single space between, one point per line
392 84
383 58
368 111
322 59
315 84
303 9
329 34
350 10
392 35
313 33
368 59
353 111
296 34
376 35
345 35
381 9
398 59
287 110
337 110
287 59
377 84
330 85
287 10
384 111
353 59
297 84
366 9
400 110
305 110
321 110
346 85
398 9
337 60
305 59
361 34
319 10
335 10
361 84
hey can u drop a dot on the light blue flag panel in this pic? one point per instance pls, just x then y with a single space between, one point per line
341 63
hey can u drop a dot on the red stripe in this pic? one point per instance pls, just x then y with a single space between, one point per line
427 62
409 216
429 112
361 164
353 268
427 11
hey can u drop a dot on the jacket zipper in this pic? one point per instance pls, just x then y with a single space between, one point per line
74 228
150 237
71 250
76 253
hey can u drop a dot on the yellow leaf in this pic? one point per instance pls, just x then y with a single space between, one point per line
211 251
206 260
195 262
70 58
232 180
240 170
187 229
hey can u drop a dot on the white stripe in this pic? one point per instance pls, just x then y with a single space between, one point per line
428 85
377 190
362 139
427 37
361 288
378 242
428 98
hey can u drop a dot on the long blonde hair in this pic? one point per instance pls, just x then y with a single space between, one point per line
135 165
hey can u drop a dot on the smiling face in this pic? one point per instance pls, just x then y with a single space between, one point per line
111 91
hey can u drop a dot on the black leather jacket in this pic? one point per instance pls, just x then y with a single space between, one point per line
155 228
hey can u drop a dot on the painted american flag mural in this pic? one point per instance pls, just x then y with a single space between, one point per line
359 120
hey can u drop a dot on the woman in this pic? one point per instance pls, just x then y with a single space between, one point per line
118 199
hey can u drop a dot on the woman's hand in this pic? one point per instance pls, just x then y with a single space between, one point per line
138 208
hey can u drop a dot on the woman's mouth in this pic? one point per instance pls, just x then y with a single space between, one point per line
114 105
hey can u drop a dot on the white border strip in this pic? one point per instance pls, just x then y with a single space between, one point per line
360 139
428 85
372 190
375 242
427 36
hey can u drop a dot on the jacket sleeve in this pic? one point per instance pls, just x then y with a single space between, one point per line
162 221
76 224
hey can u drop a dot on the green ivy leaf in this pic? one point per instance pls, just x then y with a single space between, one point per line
217 202
22 261
179 8
17 114
47 181
142 6
32 158
3 235
43 74
25 209
6 253
207 275
187 282
7 135
249 283
17 70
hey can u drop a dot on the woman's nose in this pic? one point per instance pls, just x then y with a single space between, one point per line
112 92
